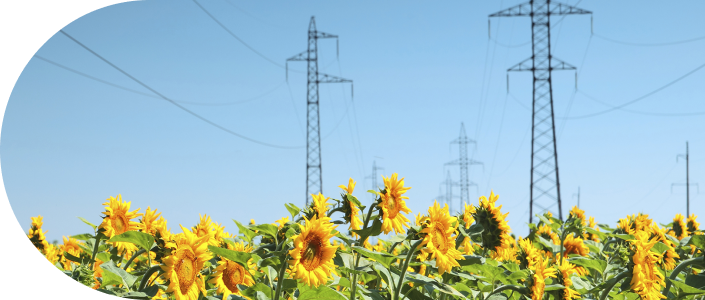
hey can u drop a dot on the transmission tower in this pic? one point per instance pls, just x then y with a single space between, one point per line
687 180
545 192
464 163
314 182
448 197
373 176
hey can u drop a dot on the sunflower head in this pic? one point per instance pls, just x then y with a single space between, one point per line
541 271
312 255
149 222
117 220
349 189
547 233
229 274
281 222
566 269
593 225
320 204
36 234
680 228
577 213
182 268
574 245
351 208
692 225
467 215
392 205
70 246
52 253
530 256
439 239
647 280
496 229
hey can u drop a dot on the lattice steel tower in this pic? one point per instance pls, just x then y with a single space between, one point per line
545 192
314 182
464 164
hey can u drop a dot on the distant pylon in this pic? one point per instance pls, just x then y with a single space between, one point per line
374 177
314 182
464 164
544 156
448 197
687 180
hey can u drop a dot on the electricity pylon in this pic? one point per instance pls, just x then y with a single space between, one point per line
314 182
448 197
374 177
544 156
464 164
687 181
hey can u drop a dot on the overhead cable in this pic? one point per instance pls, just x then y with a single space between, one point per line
176 104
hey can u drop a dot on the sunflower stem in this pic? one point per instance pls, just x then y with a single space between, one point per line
409 256
127 264
280 281
146 277
610 286
95 249
680 268
337 209
357 258
503 288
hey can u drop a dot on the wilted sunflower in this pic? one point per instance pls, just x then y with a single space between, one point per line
680 228
541 272
229 274
36 235
393 204
182 268
117 220
566 269
574 245
70 246
578 213
312 256
439 241
647 280
320 204
496 230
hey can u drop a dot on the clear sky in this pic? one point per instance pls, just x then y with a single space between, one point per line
419 69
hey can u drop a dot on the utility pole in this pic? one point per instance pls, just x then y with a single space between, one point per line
687 180
373 177
314 182
544 156
464 164
578 197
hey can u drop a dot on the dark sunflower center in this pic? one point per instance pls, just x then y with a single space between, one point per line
439 238
120 224
312 254
392 207
186 272
233 275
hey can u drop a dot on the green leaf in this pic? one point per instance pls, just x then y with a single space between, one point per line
321 293
141 239
474 229
593 246
625 237
259 287
83 236
236 256
293 210
383 258
112 275
72 258
471 260
249 234
686 288
698 241
696 281
136 295
89 223
596 264
269 229
373 230
659 248
103 256
599 234
554 287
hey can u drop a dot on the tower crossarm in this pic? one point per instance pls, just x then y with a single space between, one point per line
557 8
527 65
323 35
325 78
554 8
303 56
519 10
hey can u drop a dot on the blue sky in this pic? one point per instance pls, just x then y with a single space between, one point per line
419 70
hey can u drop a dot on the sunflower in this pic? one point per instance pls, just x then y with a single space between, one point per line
393 204
508 251
36 235
182 268
632 223
692 225
531 256
467 215
97 273
252 221
367 244
70 246
312 256
351 186
541 272
647 280
574 245
149 221
320 204
577 213
440 238
117 220
566 269
668 259
352 212
590 236
496 233
204 227
546 232
52 254
680 228
229 274
466 247
281 222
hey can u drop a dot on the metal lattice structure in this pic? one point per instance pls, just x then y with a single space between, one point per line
373 177
314 181
464 162
545 191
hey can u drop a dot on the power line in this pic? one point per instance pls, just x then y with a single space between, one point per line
176 104
157 97
613 108
643 112
240 40
649 44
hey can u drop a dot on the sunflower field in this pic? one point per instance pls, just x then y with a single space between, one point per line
308 255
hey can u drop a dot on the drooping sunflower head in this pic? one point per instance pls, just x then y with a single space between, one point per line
495 226
182 268
565 270
547 233
467 215
70 246
577 213
574 245
36 234
393 204
692 225
680 228
320 205
349 189
312 255
229 274
439 239
647 280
